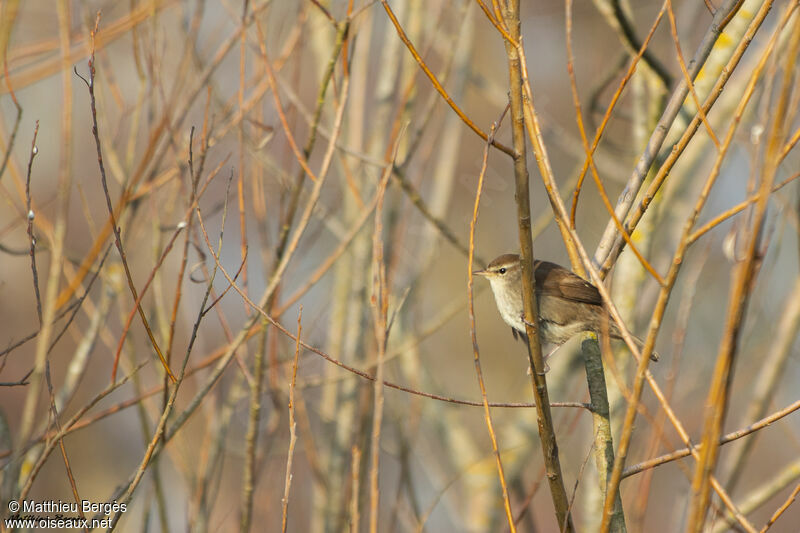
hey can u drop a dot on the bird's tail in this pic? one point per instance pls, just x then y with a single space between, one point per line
640 343
616 334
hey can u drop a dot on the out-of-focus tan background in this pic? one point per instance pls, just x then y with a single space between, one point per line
165 67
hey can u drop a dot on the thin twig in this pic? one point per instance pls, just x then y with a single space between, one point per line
67 428
17 120
138 303
90 84
153 155
780 510
686 76
355 516
159 435
30 217
607 116
20 382
56 423
380 309
730 437
616 14
73 309
601 188
431 76
487 415
292 425
738 208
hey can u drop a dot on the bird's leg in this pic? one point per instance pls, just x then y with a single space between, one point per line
545 358
551 352
546 369
546 366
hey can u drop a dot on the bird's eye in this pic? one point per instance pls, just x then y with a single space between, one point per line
502 270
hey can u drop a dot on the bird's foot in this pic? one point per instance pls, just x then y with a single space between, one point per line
524 321
546 369
544 359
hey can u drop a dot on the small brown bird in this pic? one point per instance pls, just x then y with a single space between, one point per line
568 304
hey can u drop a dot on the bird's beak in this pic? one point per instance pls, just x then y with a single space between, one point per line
479 273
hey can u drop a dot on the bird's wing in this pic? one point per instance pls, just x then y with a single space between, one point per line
554 280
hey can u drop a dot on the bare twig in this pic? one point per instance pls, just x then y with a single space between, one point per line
117 237
617 17
354 490
780 510
435 81
380 310
30 217
56 423
730 437
17 120
579 117
487 415
292 425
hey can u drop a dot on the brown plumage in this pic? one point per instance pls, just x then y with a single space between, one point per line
568 304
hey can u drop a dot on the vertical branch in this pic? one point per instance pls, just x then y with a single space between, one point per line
380 306
292 426
256 387
601 422
240 133
379 310
355 517
476 354
59 234
251 438
539 382
17 120
31 215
